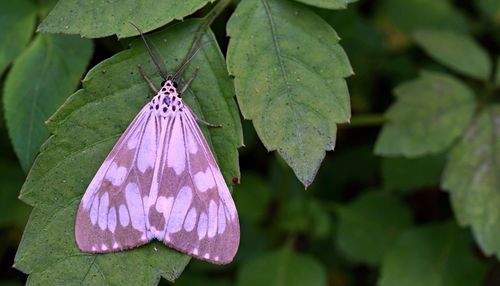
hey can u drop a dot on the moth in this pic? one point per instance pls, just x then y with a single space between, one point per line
161 181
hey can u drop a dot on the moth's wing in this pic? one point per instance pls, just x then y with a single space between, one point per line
111 213
192 209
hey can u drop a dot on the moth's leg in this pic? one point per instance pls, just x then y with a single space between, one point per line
191 78
150 83
208 123
203 121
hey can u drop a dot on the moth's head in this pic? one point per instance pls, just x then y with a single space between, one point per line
168 87
167 100
168 84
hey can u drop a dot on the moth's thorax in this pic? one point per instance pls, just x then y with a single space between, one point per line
167 101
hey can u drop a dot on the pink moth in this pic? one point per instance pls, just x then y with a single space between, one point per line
161 181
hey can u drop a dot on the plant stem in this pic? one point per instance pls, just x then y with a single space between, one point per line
200 32
363 120
215 12
207 21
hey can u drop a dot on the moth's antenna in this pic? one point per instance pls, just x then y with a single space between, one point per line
195 47
153 54
186 62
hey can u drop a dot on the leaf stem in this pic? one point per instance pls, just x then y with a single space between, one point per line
208 20
200 32
215 12
364 120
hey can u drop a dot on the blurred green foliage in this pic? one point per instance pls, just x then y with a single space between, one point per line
409 197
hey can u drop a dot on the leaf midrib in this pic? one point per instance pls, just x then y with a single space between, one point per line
279 55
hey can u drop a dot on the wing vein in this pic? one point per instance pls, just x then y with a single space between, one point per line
142 125
210 159
186 151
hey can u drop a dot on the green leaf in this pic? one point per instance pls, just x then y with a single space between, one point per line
289 76
429 114
282 267
409 174
328 4
458 52
437 255
44 7
425 14
306 215
95 19
205 280
472 178
84 131
252 198
39 82
17 20
366 53
369 225
491 8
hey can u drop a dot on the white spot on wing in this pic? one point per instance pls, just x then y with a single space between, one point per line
121 172
195 251
212 219
202 226
104 247
124 218
147 150
204 180
179 209
164 205
95 184
206 256
116 175
94 210
112 219
221 219
103 211
135 207
190 221
176 156
192 145
134 138
115 245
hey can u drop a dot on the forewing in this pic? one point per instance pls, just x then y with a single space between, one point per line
111 214
192 209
